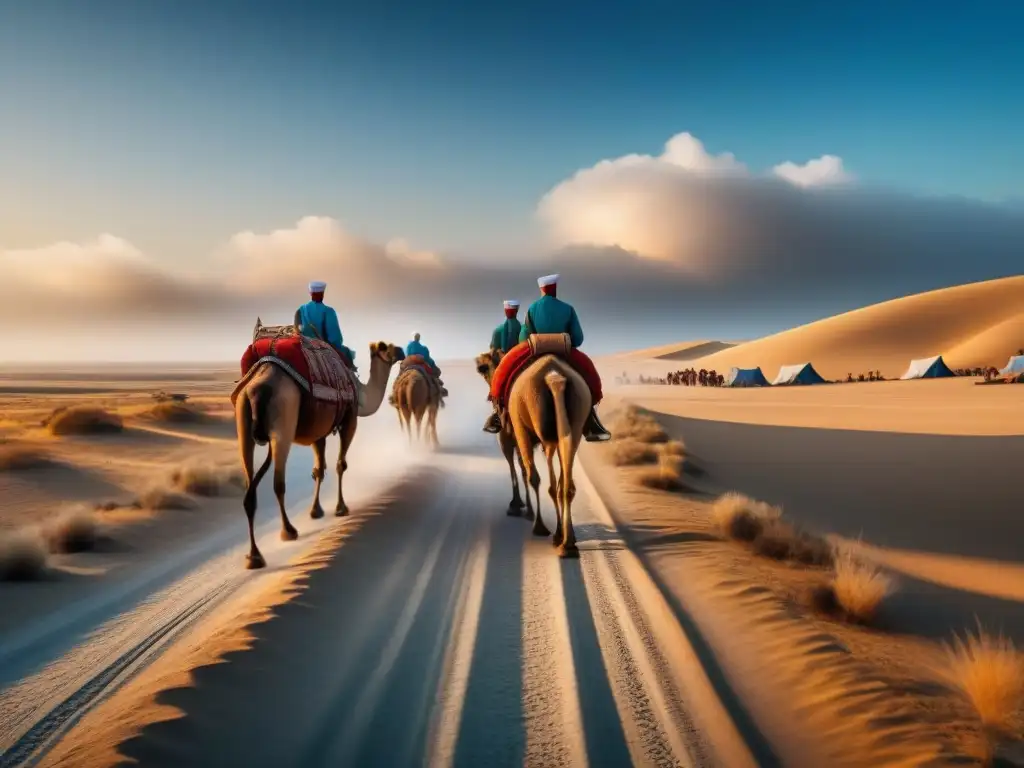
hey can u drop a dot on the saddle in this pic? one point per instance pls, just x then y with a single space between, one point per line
557 344
417 363
330 389
517 359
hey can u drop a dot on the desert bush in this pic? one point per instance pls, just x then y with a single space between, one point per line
204 480
667 476
22 556
781 540
856 591
164 498
631 424
83 420
176 413
630 452
740 517
988 671
674 448
72 531
19 456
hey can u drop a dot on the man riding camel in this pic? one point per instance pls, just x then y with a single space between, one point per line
319 321
549 314
506 335
416 347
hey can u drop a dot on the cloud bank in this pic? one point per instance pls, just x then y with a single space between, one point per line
639 239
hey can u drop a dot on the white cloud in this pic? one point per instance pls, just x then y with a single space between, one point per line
826 170
686 151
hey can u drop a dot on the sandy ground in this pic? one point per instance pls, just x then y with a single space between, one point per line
428 627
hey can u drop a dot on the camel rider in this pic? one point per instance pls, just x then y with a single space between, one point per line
319 321
415 347
549 314
506 335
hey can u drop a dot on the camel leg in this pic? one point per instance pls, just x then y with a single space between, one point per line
530 471
319 470
568 548
419 424
508 449
280 447
553 491
347 434
530 513
556 540
247 446
433 427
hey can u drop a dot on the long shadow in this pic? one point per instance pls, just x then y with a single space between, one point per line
602 726
936 493
756 741
492 731
331 637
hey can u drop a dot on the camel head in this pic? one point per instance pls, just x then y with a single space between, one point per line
387 353
487 362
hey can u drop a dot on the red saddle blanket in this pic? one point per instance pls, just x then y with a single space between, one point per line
314 365
520 356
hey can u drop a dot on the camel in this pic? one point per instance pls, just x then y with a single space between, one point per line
412 397
267 411
548 406
485 365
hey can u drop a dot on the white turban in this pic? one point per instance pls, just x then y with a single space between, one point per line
317 286
547 280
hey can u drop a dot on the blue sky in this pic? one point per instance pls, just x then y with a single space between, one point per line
176 124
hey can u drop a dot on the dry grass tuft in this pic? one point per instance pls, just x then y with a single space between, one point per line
22 556
83 420
667 476
742 518
781 540
203 480
629 452
856 591
15 457
674 448
73 531
632 424
157 499
989 672
176 413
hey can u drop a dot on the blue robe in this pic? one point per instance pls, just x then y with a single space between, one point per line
506 335
416 348
319 321
549 314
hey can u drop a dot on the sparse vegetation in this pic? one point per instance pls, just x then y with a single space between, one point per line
176 413
72 531
203 480
22 556
742 518
781 540
631 424
856 591
164 397
989 672
630 452
165 498
83 420
16 457
667 476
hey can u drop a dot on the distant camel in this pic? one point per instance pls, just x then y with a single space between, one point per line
413 397
270 407
539 406
485 365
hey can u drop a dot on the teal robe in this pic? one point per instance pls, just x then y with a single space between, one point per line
319 321
416 348
506 335
549 314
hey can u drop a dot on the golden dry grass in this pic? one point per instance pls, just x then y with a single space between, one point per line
781 540
157 499
857 590
632 424
172 412
667 476
988 671
83 420
204 480
22 556
628 452
16 457
740 517
75 530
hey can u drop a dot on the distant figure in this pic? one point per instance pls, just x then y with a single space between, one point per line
506 335
319 321
415 347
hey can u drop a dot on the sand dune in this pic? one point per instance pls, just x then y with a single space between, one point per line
683 350
980 324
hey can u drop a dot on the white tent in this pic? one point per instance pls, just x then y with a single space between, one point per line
798 374
928 368
1014 367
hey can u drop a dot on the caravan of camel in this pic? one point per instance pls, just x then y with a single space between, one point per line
298 390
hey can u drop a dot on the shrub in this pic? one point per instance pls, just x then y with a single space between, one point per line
22 556
204 480
83 420
740 517
72 531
